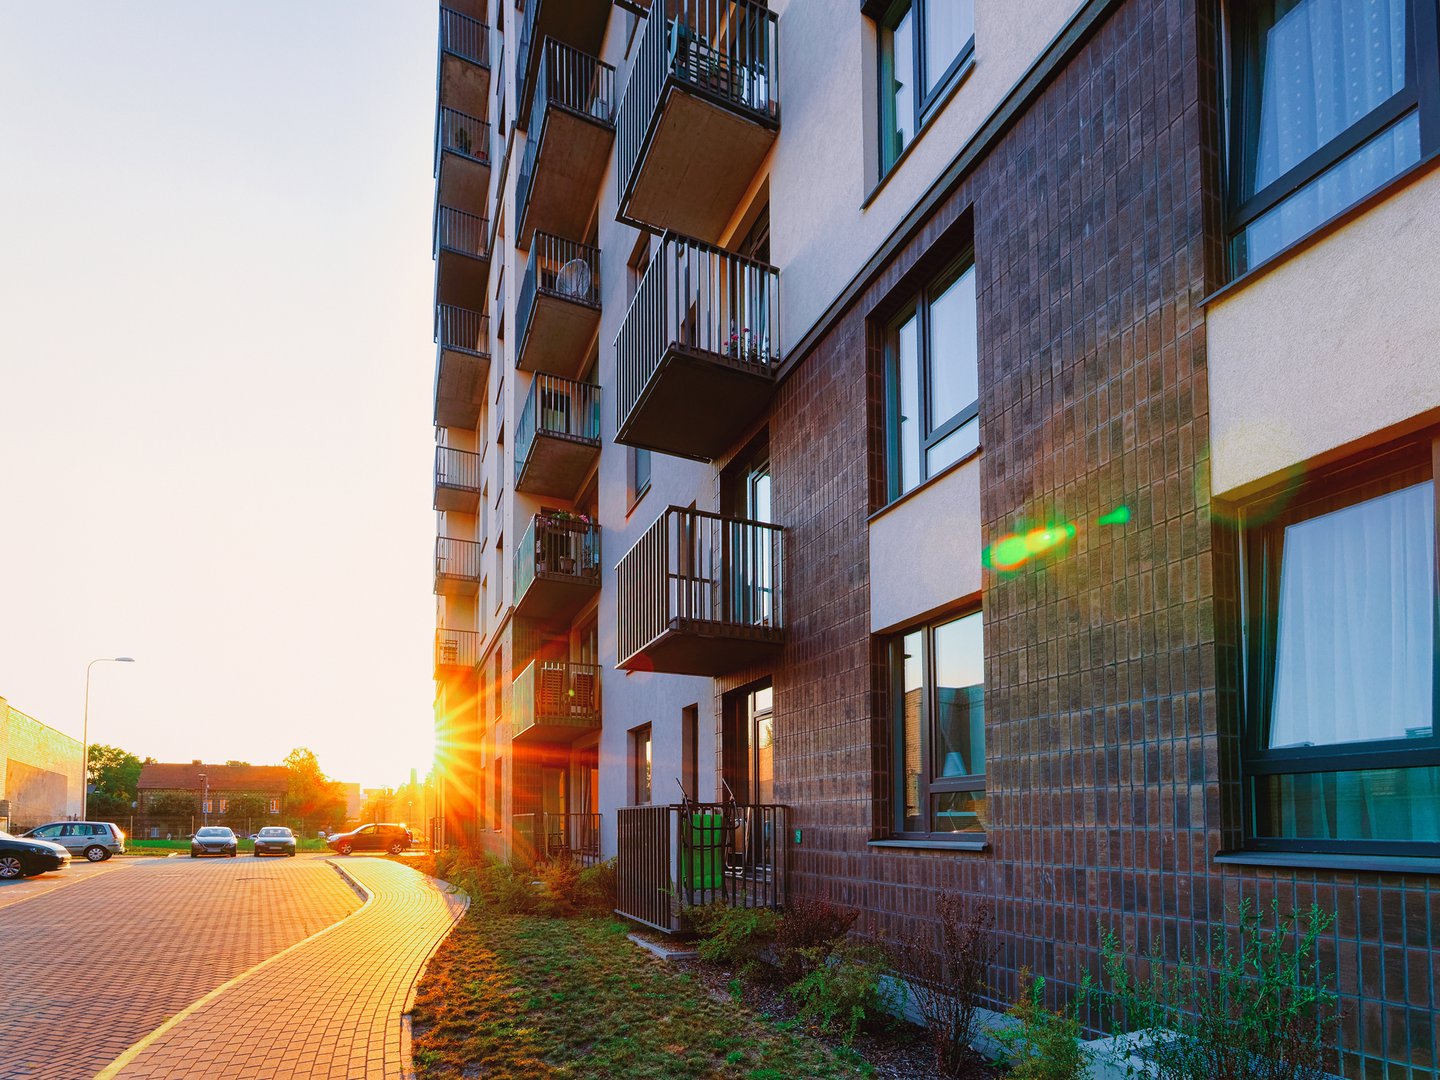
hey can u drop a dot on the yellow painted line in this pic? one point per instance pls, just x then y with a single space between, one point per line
134 1051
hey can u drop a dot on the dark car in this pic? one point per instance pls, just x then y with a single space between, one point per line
214 840
374 837
24 857
274 840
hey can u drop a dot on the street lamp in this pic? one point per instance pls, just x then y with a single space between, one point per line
85 733
204 800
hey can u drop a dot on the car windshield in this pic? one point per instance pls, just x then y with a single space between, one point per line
275 832
213 832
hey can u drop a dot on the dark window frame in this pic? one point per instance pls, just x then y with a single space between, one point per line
925 104
929 785
919 307
1413 461
1242 50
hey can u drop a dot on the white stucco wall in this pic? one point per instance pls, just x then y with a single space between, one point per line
925 551
1335 345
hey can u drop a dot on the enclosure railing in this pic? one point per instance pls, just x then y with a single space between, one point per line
455 230
456 648
464 36
457 468
567 546
569 79
463 134
463 329
560 408
457 559
561 268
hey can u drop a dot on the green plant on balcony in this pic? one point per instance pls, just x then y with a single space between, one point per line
461 139
744 346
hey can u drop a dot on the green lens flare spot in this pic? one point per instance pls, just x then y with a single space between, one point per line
1008 552
1119 516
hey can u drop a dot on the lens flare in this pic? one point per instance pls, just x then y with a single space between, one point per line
1014 550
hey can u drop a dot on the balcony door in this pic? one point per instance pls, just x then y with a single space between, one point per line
750 554
750 761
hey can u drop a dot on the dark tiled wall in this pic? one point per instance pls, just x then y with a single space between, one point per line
1110 688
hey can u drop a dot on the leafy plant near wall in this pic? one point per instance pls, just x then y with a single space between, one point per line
733 935
846 986
949 982
1043 1045
807 929
1260 1008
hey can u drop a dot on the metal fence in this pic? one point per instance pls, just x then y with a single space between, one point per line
567 546
464 36
463 329
457 559
457 468
462 134
455 230
456 648
559 408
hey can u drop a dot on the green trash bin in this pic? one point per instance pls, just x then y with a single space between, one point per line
705 858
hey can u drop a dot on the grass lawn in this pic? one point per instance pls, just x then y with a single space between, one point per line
145 846
529 996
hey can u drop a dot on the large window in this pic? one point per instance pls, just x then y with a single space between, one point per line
1329 99
938 702
1341 680
933 381
924 44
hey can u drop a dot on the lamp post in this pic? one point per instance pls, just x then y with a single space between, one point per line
205 800
85 732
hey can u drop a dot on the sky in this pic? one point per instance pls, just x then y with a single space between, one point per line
215 376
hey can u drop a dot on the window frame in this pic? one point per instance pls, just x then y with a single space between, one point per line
1241 47
929 784
925 104
1260 549
919 307
642 739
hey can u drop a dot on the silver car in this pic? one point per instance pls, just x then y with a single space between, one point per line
96 840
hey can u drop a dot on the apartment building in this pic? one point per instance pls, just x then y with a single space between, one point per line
983 445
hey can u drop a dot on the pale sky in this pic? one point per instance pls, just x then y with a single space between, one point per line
215 376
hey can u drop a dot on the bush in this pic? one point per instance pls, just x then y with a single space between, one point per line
949 982
807 929
1261 1011
1043 1045
490 882
733 936
845 986
595 888
560 878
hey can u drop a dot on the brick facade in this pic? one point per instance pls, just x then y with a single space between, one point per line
228 786
41 770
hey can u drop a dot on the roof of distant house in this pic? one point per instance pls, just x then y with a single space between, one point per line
270 778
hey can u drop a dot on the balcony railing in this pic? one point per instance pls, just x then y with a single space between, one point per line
560 272
545 837
558 436
457 479
553 701
670 858
557 565
457 565
468 234
712 319
724 53
465 37
700 594
461 133
456 648
463 329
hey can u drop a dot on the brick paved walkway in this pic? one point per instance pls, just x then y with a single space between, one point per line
88 969
331 1007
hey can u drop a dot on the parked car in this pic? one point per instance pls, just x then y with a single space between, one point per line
274 840
213 840
96 840
26 856
373 837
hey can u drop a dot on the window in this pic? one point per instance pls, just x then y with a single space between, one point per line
1341 684
924 45
640 765
938 702
1326 99
932 381
205 806
274 806
224 806
639 461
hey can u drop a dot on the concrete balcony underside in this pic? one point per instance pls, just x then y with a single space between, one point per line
569 168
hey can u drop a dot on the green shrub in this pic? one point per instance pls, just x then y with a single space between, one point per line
733 936
1043 1045
949 976
1262 1010
806 927
595 888
845 986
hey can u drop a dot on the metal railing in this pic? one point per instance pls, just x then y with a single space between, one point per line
725 50
455 230
545 837
457 559
522 54
701 298
456 648
557 546
568 79
463 134
457 468
561 268
555 692
463 329
560 408
464 36
693 566
670 858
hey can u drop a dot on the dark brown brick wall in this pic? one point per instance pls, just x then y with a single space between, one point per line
1110 686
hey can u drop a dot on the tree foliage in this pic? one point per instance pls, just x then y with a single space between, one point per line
312 797
114 773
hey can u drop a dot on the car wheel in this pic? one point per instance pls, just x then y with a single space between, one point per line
397 847
345 849
11 867
96 853
193 855
291 854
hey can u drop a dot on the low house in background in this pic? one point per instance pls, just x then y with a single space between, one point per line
41 770
176 799
354 799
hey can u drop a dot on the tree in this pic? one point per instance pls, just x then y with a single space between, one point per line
114 773
171 804
312 796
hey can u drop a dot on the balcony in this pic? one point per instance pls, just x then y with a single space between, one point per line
555 702
558 309
456 651
557 441
557 566
545 837
464 63
462 366
577 23
697 352
567 142
462 255
462 160
457 480
700 594
670 858
699 115
457 567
